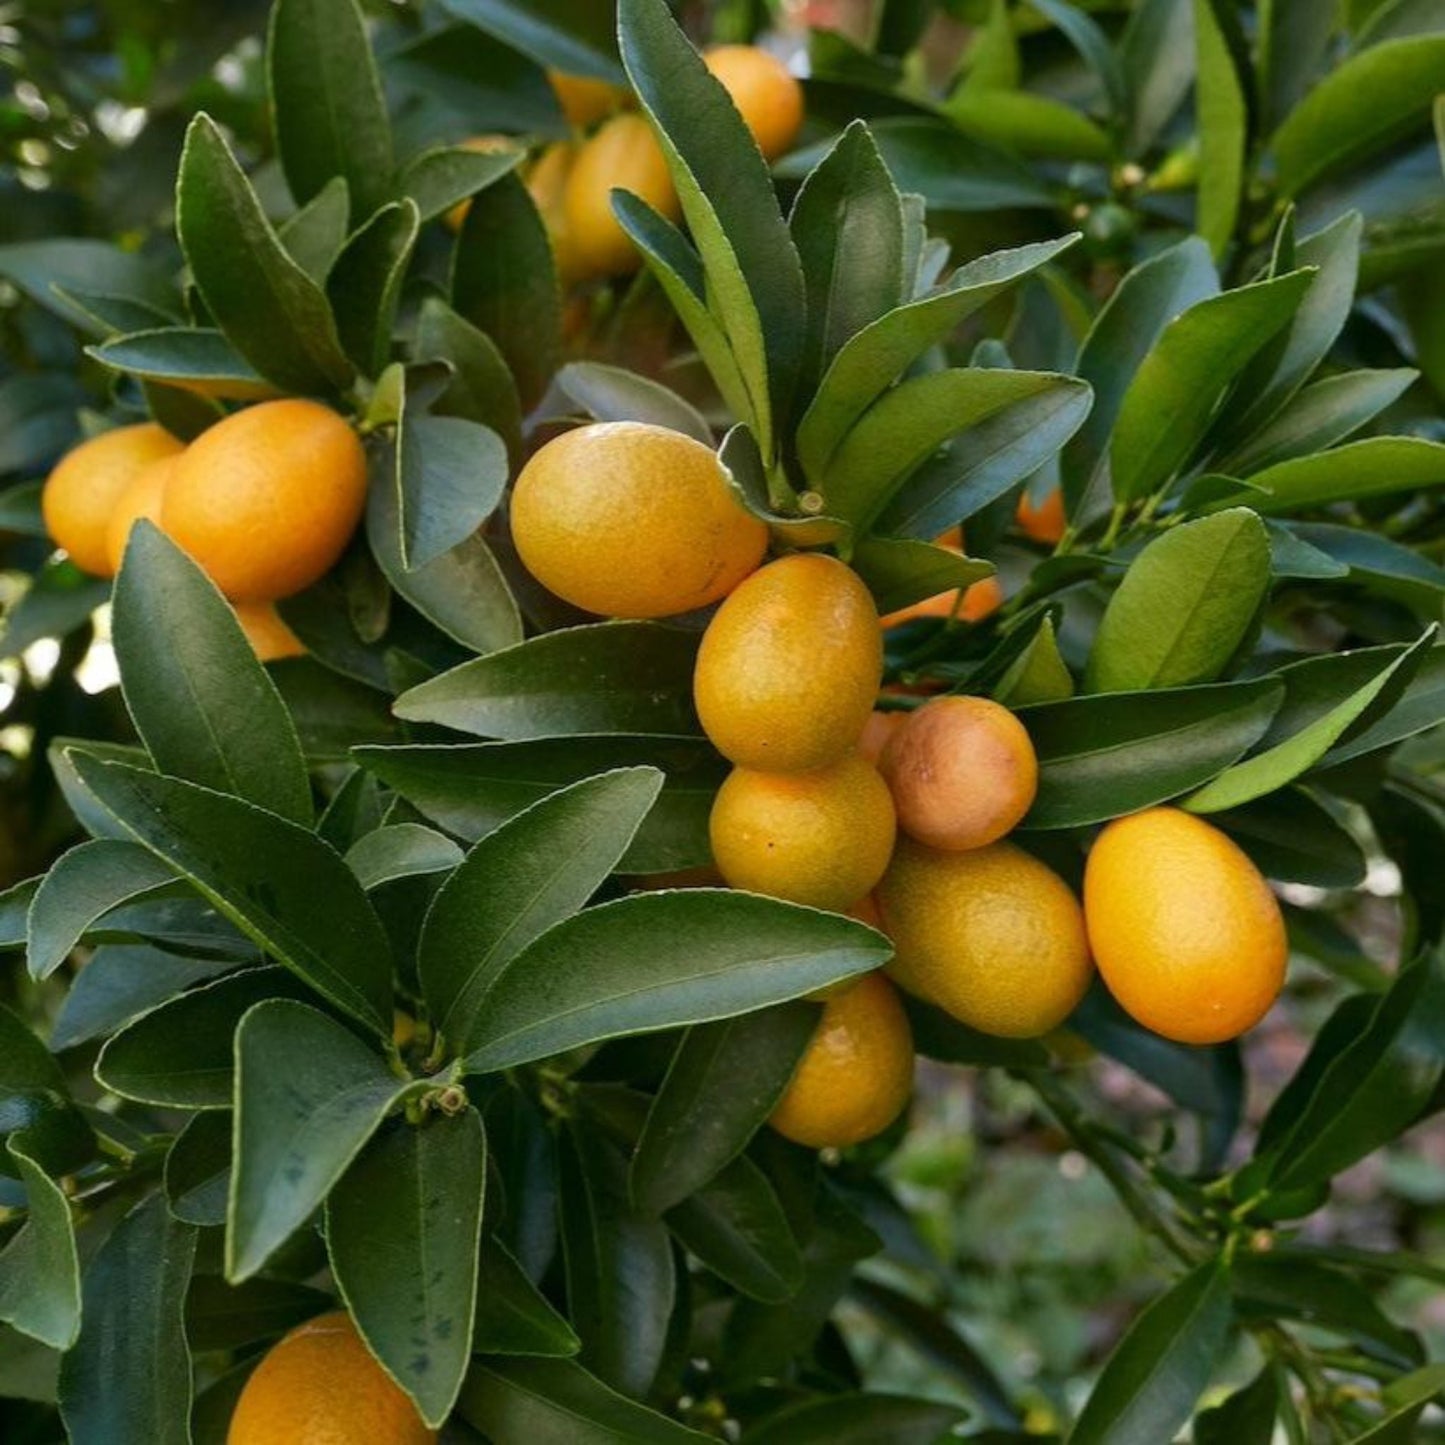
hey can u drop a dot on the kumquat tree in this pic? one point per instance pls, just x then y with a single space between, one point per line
722 720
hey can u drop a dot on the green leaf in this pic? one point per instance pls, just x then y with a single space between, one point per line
402 1229
309 1094
451 475
1223 120
364 283
315 234
205 708
481 389
1376 466
39 1266
1247 1417
221 1316
81 887
31 1080
1375 1088
1038 674
847 224
1405 1399
660 960
1322 414
899 571
277 882
1103 756
1157 56
401 850
755 277
463 590
180 1054
869 361
619 1265
1293 38
60 599
1297 752
1123 334
271 311
857 1420
1160 1368
1386 568
1171 398
737 1228
198 1170
1093 45
470 790
442 178
194 358
50 272
724 1081
504 282
1295 839
1031 125
908 424
1185 606
575 39
1420 705
606 677
1371 100
327 108
128 1379
532 872
556 1402
612 393
513 1316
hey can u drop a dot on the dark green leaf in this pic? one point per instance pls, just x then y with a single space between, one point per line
1294 839
451 474
221 1316
326 103
441 178
900 572
513 1316
482 389
612 393
198 1170
128 1379
578 40
309 1094
60 599
401 850
204 706
1157 56
857 1420
316 233
471 789
39 1266
45 270
1247 1417
1377 466
364 283
724 1081
1160 1368
271 311
607 677
532 872
1223 120
660 960
1100 757
277 882
937 1035
193 358
402 1229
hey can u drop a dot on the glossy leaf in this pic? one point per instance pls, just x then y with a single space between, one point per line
1160 1368
899 572
607 677
660 960
128 1379
1184 607
534 871
612 393
205 708
401 850
195 358
1223 119
364 284
451 474
326 101
724 1081
1377 466
198 1170
309 1094
39 1265
1293 838
513 1316
481 389
277 882
402 1230
576 40
857 1420
1100 757
439 179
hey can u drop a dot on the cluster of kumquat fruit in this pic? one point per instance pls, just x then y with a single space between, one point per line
264 502
572 180
899 818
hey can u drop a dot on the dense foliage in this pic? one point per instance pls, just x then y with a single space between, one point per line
324 971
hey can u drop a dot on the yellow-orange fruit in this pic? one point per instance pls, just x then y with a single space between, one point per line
789 667
765 91
142 498
483 145
962 771
820 838
81 493
975 603
622 154
855 1077
547 185
320 1386
266 500
1185 930
992 936
1045 522
270 638
632 520
876 731
584 100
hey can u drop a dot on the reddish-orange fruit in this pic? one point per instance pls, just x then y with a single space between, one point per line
142 498
321 1386
1045 522
765 91
81 493
962 771
1185 930
266 500
876 731
857 1073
